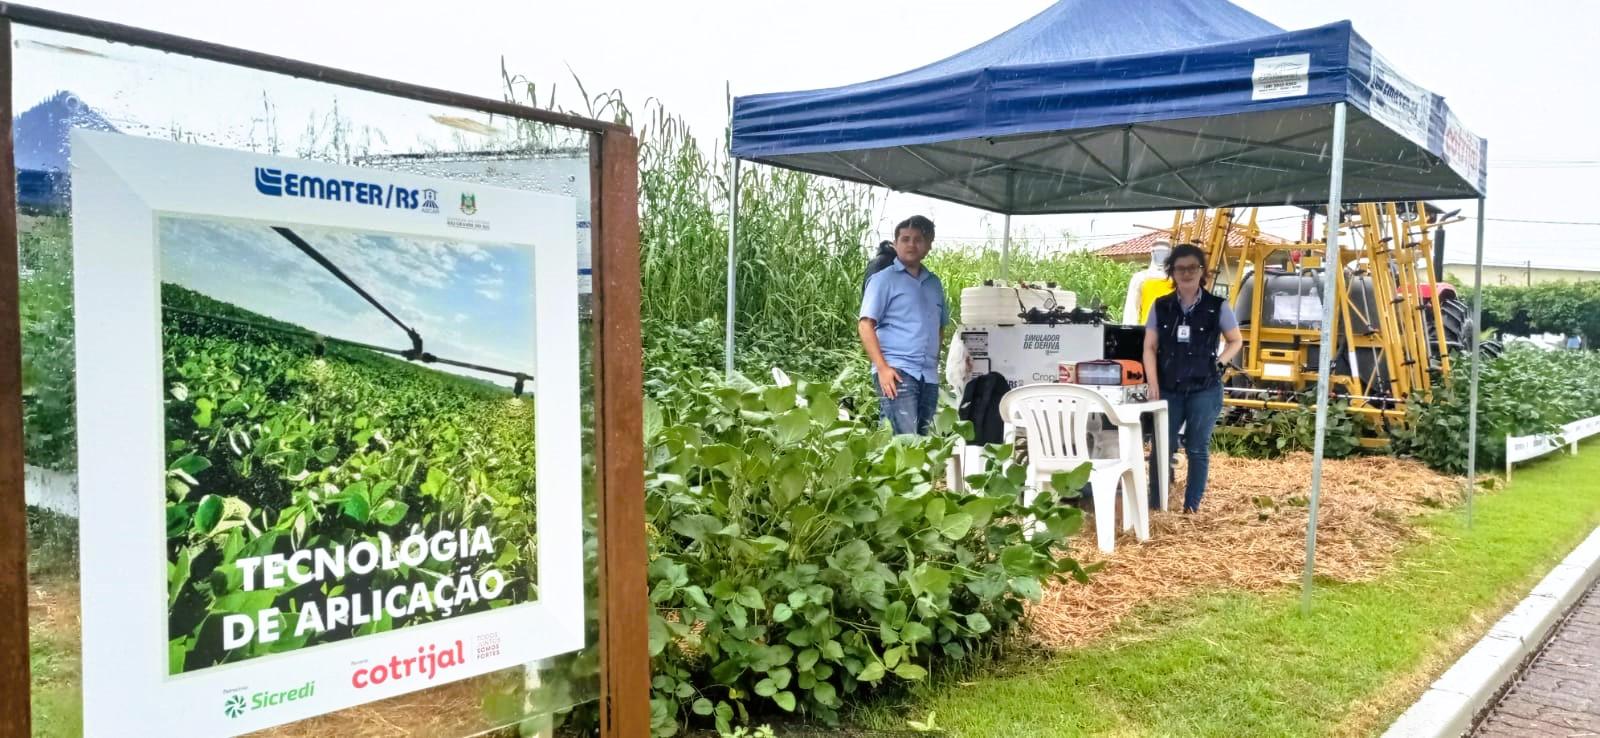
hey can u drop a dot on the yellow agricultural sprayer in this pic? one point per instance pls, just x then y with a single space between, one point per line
1395 323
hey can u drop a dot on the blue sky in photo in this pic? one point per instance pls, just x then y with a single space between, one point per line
471 302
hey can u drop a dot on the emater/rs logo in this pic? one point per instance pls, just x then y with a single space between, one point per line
279 183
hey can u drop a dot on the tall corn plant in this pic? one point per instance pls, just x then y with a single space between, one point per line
800 246
802 256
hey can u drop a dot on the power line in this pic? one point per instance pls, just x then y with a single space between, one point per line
1521 162
1075 238
1070 237
1547 222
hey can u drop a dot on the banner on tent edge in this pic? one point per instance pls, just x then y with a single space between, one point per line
1463 151
1401 104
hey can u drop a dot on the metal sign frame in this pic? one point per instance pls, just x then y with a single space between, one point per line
618 372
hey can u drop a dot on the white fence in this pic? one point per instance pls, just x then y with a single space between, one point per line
1522 448
51 490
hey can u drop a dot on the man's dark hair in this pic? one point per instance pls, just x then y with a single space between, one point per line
1183 250
918 222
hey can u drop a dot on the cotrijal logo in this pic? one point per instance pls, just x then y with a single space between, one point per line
429 661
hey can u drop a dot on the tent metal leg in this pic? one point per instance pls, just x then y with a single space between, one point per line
1472 392
1330 267
733 262
1005 251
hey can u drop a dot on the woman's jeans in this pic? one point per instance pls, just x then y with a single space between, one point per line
1198 409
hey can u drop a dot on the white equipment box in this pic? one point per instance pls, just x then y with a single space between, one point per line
1030 354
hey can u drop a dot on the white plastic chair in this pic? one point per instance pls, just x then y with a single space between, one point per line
1056 419
967 459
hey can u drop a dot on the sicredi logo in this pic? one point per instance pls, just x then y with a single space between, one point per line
236 705
428 662
279 183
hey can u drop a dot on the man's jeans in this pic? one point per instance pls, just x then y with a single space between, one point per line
1198 409
911 411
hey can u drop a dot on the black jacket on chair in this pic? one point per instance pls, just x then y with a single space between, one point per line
980 404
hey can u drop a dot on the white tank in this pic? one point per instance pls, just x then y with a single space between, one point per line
1001 304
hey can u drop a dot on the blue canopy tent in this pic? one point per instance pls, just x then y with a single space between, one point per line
41 136
1106 105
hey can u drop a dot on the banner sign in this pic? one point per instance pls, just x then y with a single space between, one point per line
312 404
1405 107
1464 151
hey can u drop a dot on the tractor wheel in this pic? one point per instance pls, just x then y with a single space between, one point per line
1458 326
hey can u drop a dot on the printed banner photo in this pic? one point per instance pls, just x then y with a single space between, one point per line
314 400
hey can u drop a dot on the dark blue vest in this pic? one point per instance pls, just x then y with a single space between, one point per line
1190 365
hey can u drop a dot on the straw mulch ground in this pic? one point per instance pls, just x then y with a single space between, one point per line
1250 534
454 709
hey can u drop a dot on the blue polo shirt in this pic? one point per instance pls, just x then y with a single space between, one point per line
909 311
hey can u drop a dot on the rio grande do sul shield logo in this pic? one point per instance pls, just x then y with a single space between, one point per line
469 203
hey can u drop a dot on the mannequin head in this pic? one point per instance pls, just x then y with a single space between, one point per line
1159 251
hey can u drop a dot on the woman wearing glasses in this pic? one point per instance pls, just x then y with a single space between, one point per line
1182 363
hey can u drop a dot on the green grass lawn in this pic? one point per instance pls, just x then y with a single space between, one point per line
1234 664
1227 664
54 658
54 663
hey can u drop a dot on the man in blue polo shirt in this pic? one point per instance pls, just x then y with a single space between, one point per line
903 314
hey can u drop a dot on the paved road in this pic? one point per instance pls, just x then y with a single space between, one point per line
1559 694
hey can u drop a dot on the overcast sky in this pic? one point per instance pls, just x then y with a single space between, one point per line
1519 74
470 302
